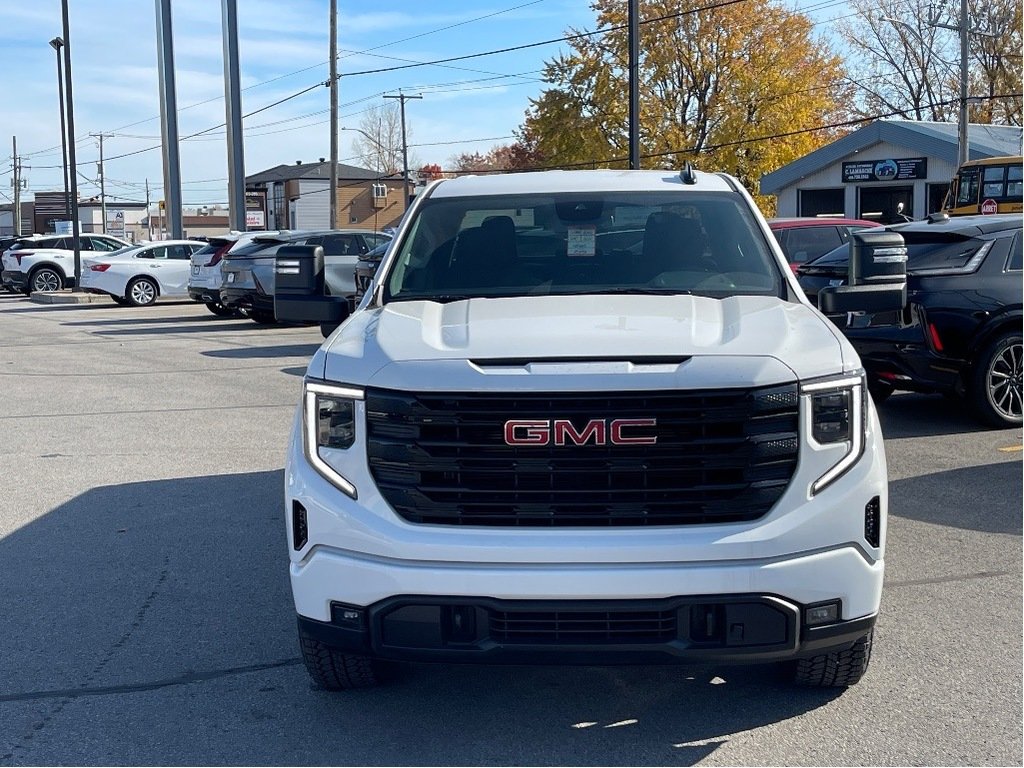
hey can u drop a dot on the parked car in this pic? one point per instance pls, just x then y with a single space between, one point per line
249 270
366 268
207 276
805 238
139 275
961 331
657 451
47 263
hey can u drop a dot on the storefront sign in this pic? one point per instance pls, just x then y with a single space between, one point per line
886 170
255 209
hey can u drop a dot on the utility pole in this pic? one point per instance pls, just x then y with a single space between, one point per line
168 117
103 186
233 117
16 183
402 98
964 29
634 84
149 218
333 83
965 147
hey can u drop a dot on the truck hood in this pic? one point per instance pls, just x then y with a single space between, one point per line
746 337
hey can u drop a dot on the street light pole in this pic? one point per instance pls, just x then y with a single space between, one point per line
57 43
72 162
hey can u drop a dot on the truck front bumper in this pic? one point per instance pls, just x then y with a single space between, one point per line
721 628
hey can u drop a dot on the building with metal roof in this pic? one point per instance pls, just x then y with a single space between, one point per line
869 172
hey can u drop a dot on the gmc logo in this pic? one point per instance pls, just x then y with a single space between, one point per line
564 432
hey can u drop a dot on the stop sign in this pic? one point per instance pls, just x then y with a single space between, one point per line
989 207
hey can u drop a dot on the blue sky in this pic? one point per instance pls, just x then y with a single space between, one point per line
115 83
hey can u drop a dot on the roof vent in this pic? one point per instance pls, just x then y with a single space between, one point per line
298 162
687 175
323 159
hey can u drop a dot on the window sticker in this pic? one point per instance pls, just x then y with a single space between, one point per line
581 242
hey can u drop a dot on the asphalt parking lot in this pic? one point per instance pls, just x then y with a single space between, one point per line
145 614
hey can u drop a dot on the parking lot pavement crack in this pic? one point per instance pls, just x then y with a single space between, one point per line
945 579
69 694
61 699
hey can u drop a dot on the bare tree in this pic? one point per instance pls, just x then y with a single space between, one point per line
902 63
379 143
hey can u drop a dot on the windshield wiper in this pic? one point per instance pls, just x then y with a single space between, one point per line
440 298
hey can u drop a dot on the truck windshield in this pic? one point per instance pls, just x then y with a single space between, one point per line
602 242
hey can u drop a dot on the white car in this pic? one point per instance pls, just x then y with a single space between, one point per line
138 275
205 278
46 264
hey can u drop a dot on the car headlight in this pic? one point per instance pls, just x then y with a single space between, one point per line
329 421
837 418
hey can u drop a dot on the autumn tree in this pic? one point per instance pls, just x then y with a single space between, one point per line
736 88
430 172
497 158
906 63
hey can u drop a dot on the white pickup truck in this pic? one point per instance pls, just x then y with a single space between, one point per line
586 417
47 263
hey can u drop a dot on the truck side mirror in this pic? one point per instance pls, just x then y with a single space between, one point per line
877 276
299 288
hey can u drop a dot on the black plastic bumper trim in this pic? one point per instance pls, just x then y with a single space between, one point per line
367 638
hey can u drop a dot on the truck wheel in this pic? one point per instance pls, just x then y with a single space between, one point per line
995 393
45 280
838 669
332 670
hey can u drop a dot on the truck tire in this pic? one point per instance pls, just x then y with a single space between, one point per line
995 392
838 669
45 280
333 670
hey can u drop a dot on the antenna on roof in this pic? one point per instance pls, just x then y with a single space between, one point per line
687 175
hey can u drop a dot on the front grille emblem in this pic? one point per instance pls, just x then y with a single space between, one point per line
539 432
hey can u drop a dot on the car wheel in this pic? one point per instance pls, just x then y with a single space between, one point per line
333 670
838 669
880 390
219 309
263 316
995 391
141 292
45 280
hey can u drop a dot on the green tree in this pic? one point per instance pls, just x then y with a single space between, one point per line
715 84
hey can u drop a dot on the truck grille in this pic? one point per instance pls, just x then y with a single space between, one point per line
721 456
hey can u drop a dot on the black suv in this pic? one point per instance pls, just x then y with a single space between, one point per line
960 333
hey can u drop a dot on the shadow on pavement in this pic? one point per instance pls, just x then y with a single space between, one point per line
152 623
909 414
279 350
985 498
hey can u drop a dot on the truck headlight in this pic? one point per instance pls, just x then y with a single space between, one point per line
837 418
328 421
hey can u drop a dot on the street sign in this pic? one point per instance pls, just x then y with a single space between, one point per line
989 207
